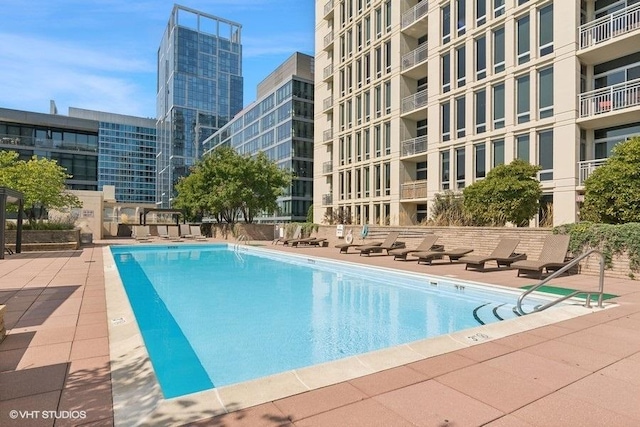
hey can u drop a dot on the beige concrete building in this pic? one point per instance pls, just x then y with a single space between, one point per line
417 97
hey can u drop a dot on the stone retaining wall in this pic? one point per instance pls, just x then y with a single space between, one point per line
44 240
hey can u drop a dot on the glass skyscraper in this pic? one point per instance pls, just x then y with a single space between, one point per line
199 90
126 154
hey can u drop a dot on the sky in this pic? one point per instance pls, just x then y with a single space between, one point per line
101 54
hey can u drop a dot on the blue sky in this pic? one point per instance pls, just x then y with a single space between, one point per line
101 54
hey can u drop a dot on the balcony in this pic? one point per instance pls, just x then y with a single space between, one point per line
328 40
413 146
414 102
327 199
610 106
327 104
328 9
413 58
596 37
327 135
414 190
327 167
327 73
414 20
586 168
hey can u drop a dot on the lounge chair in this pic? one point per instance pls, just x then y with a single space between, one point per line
388 245
174 233
196 233
141 232
503 254
309 241
185 231
427 244
286 240
429 256
163 231
552 257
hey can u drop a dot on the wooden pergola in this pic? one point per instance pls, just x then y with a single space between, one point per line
145 211
8 195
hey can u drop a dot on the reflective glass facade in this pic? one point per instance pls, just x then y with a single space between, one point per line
199 90
280 124
73 143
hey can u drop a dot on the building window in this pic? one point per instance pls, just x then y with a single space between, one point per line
522 147
377 140
366 171
367 144
523 39
378 16
498 50
387 15
387 97
446 72
523 97
445 169
481 58
387 138
498 8
545 155
460 168
446 121
545 30
387 57
460 66
481 12
480 155
377 180
460 117
358 147
445 13
387 179
498 106
367 106
481 110
461 18
498 152
377 99
421 171
545 92
378 59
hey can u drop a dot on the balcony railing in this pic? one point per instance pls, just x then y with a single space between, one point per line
611 98
415 13
327 72
414 190
414 57
327 135
587 167
414 146
327 103
414 101
328 7
610 26
327 167
327 199
328 39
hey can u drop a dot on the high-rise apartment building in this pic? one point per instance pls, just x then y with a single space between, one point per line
416 98
280 124
199 90
126 154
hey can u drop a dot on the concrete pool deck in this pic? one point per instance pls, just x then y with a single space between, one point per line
581 371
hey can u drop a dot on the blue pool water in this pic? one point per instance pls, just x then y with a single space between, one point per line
211 316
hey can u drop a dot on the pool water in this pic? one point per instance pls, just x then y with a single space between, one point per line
211 316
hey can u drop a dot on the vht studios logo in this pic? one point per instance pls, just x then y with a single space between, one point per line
51 415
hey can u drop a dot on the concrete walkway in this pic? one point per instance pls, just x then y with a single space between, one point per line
583 371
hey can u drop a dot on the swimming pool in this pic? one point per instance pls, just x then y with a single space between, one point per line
211 316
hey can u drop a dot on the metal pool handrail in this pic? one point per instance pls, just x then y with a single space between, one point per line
241 238
573 262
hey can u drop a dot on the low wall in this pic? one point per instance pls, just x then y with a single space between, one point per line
3 330
44 240
482 239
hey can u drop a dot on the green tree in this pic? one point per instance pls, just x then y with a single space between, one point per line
509 193
226 185
612 191
42 181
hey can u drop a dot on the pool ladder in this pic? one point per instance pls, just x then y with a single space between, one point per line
241 238
573 262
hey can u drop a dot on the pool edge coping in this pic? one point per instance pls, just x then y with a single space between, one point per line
134 380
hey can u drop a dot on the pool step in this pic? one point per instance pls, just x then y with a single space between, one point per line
490 312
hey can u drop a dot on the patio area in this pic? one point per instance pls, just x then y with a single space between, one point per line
582 371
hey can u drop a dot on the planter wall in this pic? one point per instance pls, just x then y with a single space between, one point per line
42 240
